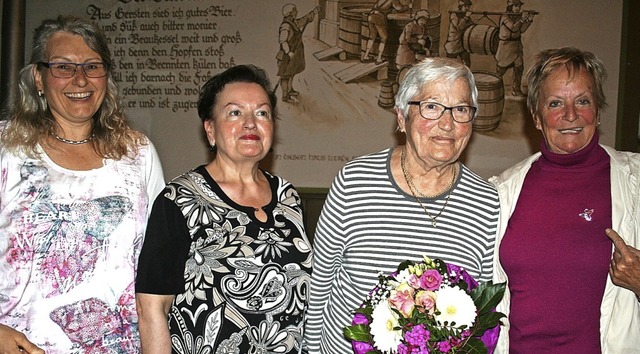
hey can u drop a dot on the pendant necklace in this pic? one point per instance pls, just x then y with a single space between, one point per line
412 187
73 142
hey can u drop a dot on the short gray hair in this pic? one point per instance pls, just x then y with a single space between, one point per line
430 70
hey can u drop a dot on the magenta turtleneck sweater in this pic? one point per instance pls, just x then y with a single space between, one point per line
556 254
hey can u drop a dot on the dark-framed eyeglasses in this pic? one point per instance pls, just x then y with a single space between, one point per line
433 111
68 70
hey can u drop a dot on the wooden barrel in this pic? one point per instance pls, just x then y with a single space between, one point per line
350 28
386 99
490 100
480 39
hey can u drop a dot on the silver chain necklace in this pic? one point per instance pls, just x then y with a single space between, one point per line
73 142
412 187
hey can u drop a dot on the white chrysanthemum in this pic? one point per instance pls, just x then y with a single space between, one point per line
455 305
385 338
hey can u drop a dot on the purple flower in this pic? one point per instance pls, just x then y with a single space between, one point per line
456 273
430 279
360 319
418 335
402 349
361 347
490 338
469 280
444 346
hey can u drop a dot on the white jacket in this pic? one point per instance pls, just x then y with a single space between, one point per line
620 310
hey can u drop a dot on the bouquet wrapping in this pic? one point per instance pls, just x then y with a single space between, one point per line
427 307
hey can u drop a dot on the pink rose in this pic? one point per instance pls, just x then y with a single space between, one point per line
431 280
414 281
426 301
402 299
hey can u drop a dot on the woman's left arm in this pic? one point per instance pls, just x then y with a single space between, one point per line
625 264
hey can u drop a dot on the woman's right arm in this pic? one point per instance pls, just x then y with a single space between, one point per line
153 313
160 272
12 341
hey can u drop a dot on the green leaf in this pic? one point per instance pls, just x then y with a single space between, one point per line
358 333
404 265
474 346
367 311
487 296
486 321
441 266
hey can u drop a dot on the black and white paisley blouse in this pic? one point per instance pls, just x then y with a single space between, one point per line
241 284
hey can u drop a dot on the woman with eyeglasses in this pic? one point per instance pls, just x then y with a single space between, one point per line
75 192
403 202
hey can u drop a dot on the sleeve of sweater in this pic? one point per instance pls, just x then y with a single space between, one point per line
329 245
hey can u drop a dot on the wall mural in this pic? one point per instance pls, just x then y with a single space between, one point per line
335 65
399 36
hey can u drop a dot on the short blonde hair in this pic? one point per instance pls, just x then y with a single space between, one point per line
573 60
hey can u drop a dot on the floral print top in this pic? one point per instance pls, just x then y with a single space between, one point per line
241 285
69 242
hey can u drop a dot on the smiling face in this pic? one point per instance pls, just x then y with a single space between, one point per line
438 142
567 113
242 123
76 99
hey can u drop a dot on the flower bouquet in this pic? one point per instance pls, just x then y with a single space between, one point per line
427 307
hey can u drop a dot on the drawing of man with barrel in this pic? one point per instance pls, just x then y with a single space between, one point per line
459 21
510 52
415 42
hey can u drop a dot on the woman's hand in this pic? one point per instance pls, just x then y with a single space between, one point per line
12 341
625 264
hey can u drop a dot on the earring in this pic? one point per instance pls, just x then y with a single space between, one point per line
212 147
40 93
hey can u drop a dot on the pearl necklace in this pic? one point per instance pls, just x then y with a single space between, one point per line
73 142
412 187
